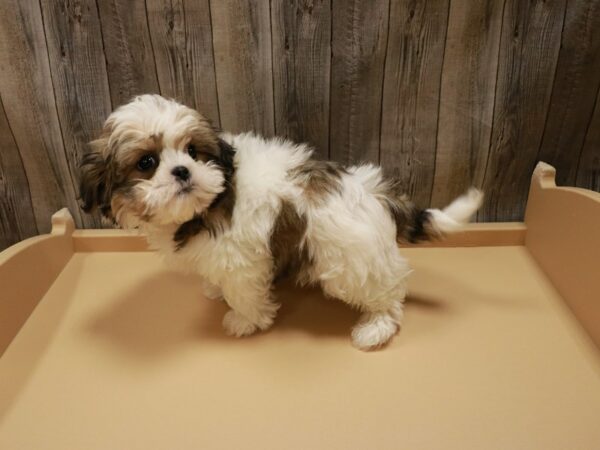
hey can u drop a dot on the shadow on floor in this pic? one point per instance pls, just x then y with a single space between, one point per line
164 314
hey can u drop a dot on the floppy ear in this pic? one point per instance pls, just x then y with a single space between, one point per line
226 154
94 179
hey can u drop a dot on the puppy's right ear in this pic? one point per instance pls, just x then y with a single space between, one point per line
93 178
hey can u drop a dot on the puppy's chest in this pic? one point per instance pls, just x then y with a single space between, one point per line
216 257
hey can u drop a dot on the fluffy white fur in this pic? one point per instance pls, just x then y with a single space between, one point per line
350 236
238 260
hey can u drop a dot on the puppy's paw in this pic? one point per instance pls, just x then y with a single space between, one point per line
237 325
211 291
373 331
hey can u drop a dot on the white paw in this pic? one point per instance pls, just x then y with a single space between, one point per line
211 291
373 331
237 325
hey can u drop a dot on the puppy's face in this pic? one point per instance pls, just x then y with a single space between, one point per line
157 161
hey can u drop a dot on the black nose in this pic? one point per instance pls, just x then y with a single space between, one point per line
181 172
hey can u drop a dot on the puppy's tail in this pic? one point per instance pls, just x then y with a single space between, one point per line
414 225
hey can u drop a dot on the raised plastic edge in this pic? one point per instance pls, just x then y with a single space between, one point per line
563 237
28 269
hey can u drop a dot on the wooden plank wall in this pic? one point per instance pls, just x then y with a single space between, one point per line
443 94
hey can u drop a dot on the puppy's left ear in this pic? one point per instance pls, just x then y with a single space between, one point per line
94 179
226 155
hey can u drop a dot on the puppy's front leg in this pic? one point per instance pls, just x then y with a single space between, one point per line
252 306
211 291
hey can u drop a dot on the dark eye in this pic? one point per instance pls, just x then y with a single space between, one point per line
147 162
191 149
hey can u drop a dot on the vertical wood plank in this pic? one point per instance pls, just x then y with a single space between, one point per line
128 49
242 43
200 55
588 170
577 79
529 49
411 92
301 34
79 78
359 44
30 107
182 42
17 221
467 97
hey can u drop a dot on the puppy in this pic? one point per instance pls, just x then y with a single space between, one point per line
242 211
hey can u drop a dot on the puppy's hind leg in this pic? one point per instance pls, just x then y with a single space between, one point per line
376 328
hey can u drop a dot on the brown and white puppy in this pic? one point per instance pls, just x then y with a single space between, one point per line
241 210
168 167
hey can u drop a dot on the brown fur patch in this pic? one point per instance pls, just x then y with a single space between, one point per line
93 181
213 221
412 223
289 255
158 140
124 201
319 178
202 134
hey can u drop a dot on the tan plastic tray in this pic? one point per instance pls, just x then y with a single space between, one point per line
104 348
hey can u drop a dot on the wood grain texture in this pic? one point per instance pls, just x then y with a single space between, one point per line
467 97
242 43
17 220
588 170
411 93
443 93
79 79
128 49
577 76
301 37
359 45
200 54
183 51
28 99
529 49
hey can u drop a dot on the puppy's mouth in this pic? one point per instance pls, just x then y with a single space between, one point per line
184 190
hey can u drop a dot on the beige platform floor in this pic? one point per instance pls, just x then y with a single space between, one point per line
121 354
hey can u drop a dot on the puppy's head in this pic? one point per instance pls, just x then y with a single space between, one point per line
157 161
